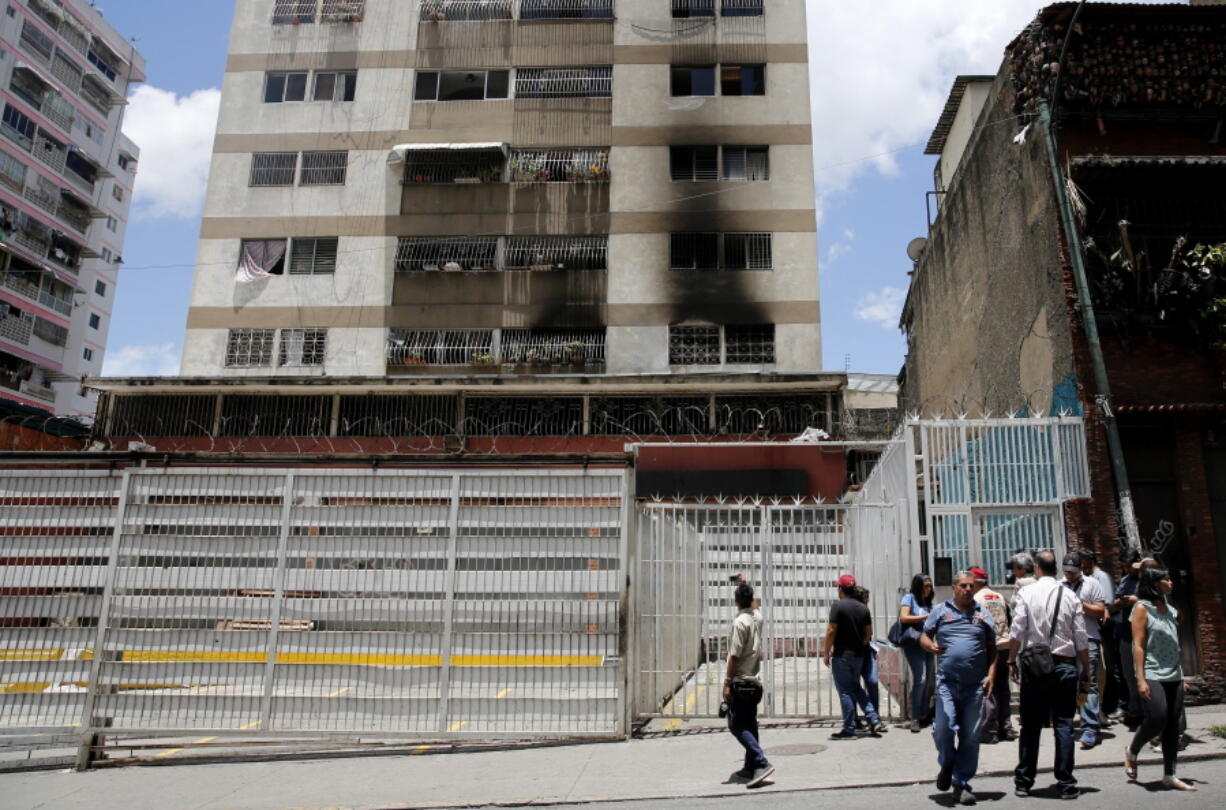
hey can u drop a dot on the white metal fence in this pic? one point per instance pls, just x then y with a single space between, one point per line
263 602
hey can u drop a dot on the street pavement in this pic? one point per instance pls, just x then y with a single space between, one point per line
681 767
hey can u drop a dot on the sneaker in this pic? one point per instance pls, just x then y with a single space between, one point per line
843 735
914 726
744 773
1021 792
944 777
963 795
880 728
759 776
1070 794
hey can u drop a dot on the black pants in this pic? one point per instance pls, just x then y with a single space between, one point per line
1163 714
1133 713
1052 698
998 723
1115 691
743 722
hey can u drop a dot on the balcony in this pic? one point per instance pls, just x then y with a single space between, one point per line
12 173
46 198
16 328
36 391
73 213
50 151
37 286
16 136
496 351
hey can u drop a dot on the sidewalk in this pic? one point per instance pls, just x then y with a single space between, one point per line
697 764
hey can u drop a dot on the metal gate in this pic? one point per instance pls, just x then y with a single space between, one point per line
423 604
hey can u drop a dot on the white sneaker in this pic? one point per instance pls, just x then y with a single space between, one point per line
759 776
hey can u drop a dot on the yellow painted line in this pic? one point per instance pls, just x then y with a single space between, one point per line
30 654
687 708
527 660
361 659
457 726
252 724
354 659
340 691
191 656
502 694
421 749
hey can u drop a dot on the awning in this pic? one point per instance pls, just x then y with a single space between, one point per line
42 77
400 151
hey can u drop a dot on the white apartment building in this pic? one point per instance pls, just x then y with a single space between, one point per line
66 177
509 187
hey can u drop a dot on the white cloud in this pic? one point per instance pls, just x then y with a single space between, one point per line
882 307
175 136
879 78
840 247
160 360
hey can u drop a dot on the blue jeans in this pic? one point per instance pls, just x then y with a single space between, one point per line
847 671
1052 698
872 687
743 723
922 669
958 706
1091 712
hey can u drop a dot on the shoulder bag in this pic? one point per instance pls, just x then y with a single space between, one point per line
904 635
1035 661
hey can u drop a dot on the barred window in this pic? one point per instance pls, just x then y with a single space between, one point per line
342 10
693 8
313 256
750 344
557 253
293 11
693 251
747 251
249 348
742 80
334 85
454 166
461 85
750 163
302 347
565 9
285 86
693 345
741 8
450 10
324 168
273 168
697 164
692 81
430 254
560 166
576 82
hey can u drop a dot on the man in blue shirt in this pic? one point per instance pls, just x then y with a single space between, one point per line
963 637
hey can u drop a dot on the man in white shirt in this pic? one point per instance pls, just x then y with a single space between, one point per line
1094 605
1045 613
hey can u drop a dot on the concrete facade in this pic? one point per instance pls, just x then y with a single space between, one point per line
623 312
65 190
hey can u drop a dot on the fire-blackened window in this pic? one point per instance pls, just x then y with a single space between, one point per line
747 251
693 251
693 345
750 163
750 344
697 164
683 9
740 8
696 80
742 80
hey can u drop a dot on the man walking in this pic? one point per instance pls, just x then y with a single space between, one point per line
847 637
1046 615
997 724
962 635
1094 605
742 687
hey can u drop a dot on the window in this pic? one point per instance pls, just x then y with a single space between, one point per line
740 8
433 254
280 87
693 8
122 162
313 256
584 82
259 256
749 163
461 85
106 255
273 168
454 166
100 287
565 9
335 85
302 347
249 348
87 354
324 168
117 192
342 11
693 81
95 320
19 121
451 11
693 345
742 80
749 344
698 164
728 251
112 224
293 11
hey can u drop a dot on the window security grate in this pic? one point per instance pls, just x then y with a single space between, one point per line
740 8
565 9
557 253
693 345
539 416
249 348
747 251
302 347
694 251
324 168
577 82
560 166
750 163
712 251
342 10
293 11
416 254
273 168
443 10
392 415
275 416
693 8
750 344
697 164
454 166
313 256
650 416
440 347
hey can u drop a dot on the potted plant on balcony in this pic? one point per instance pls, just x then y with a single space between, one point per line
482 360
575 351
413 357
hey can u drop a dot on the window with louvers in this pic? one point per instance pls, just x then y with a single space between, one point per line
696 164
313 256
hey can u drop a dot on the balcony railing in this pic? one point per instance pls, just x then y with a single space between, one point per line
342 11
60 305
560 166
12 172
16 136
78 181
444 10
49 151
67 72
37 44
16 329
454 166
566 9
45 199
58 110
462 10
569 82
37 391
20 285
525 349
73 215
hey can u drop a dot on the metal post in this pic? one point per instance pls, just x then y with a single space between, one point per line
1115 448
278 597
88 738
453 530
628 615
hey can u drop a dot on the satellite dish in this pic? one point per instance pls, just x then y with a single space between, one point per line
915 248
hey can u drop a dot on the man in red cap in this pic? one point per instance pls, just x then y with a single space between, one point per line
997 725
847 637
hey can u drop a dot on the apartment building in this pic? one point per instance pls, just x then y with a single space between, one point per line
66 177
513 188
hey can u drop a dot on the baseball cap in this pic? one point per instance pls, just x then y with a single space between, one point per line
1072 561
979 574
847 581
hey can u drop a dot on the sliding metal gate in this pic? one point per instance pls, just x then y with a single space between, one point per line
235 602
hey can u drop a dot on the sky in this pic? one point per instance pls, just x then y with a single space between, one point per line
880 71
